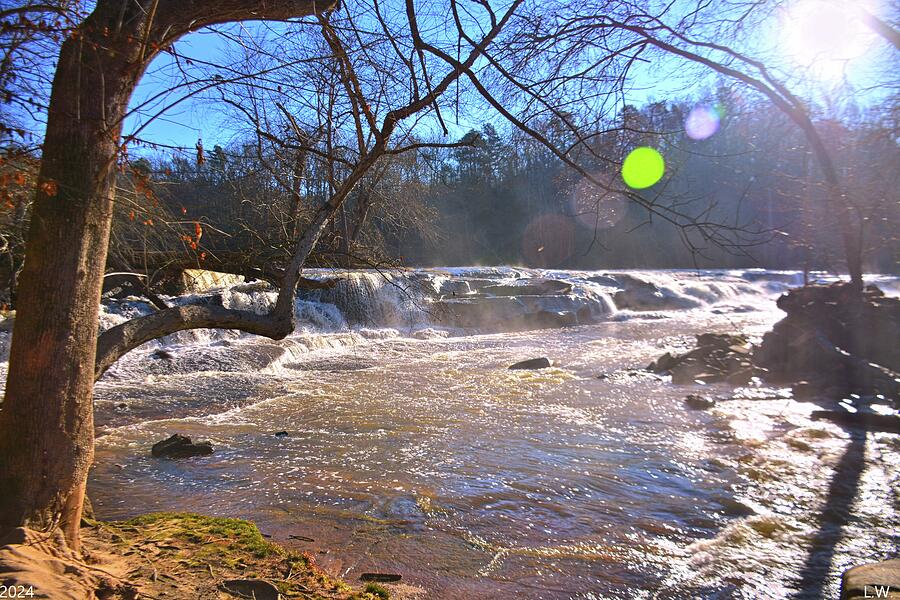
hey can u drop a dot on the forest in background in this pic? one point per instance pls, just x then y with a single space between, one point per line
500 197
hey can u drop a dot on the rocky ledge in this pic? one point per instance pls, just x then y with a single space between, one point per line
834 342
717 357
836 338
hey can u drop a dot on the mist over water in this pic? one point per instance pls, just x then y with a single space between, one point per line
412 448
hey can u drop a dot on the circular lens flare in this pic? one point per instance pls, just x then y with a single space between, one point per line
643 167
548 241
701 123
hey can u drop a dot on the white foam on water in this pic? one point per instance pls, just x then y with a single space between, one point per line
367 306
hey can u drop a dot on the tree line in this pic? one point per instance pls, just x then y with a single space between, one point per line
496 196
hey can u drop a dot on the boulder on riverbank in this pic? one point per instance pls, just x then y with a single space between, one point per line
876 580
180 446
837 337
834 341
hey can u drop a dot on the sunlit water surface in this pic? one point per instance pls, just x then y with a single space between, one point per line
429 458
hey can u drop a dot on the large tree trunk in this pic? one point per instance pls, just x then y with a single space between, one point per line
46 421
46 425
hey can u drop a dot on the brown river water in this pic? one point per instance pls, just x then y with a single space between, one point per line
422 454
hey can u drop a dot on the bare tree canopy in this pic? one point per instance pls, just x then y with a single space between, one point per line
346 93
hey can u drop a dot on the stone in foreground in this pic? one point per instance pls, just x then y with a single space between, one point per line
877 580
180 446
251 588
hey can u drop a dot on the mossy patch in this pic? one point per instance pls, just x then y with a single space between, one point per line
379 591
188 555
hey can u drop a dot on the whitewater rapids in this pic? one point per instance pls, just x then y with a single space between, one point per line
411 447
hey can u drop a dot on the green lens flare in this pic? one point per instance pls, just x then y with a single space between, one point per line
642 168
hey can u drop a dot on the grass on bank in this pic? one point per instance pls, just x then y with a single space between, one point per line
186 555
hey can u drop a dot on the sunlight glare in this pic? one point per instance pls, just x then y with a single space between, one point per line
824 35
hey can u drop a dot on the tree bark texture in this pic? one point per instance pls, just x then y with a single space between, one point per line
46 421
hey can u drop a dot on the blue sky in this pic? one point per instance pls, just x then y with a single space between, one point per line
190 119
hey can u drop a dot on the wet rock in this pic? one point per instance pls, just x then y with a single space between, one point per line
692 371
534 286
533 363
380 577
734 507
717 358
257 589
663 363
740 377
820 388
876 580
607 280
180 446
718 340
281 434
638 294
803 390
707 377
481 311
698 402
838 334
584 314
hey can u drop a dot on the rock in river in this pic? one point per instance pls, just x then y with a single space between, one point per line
698 402
180 446
533 363
717 357
380 577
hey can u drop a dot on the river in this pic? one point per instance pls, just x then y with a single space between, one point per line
411 448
